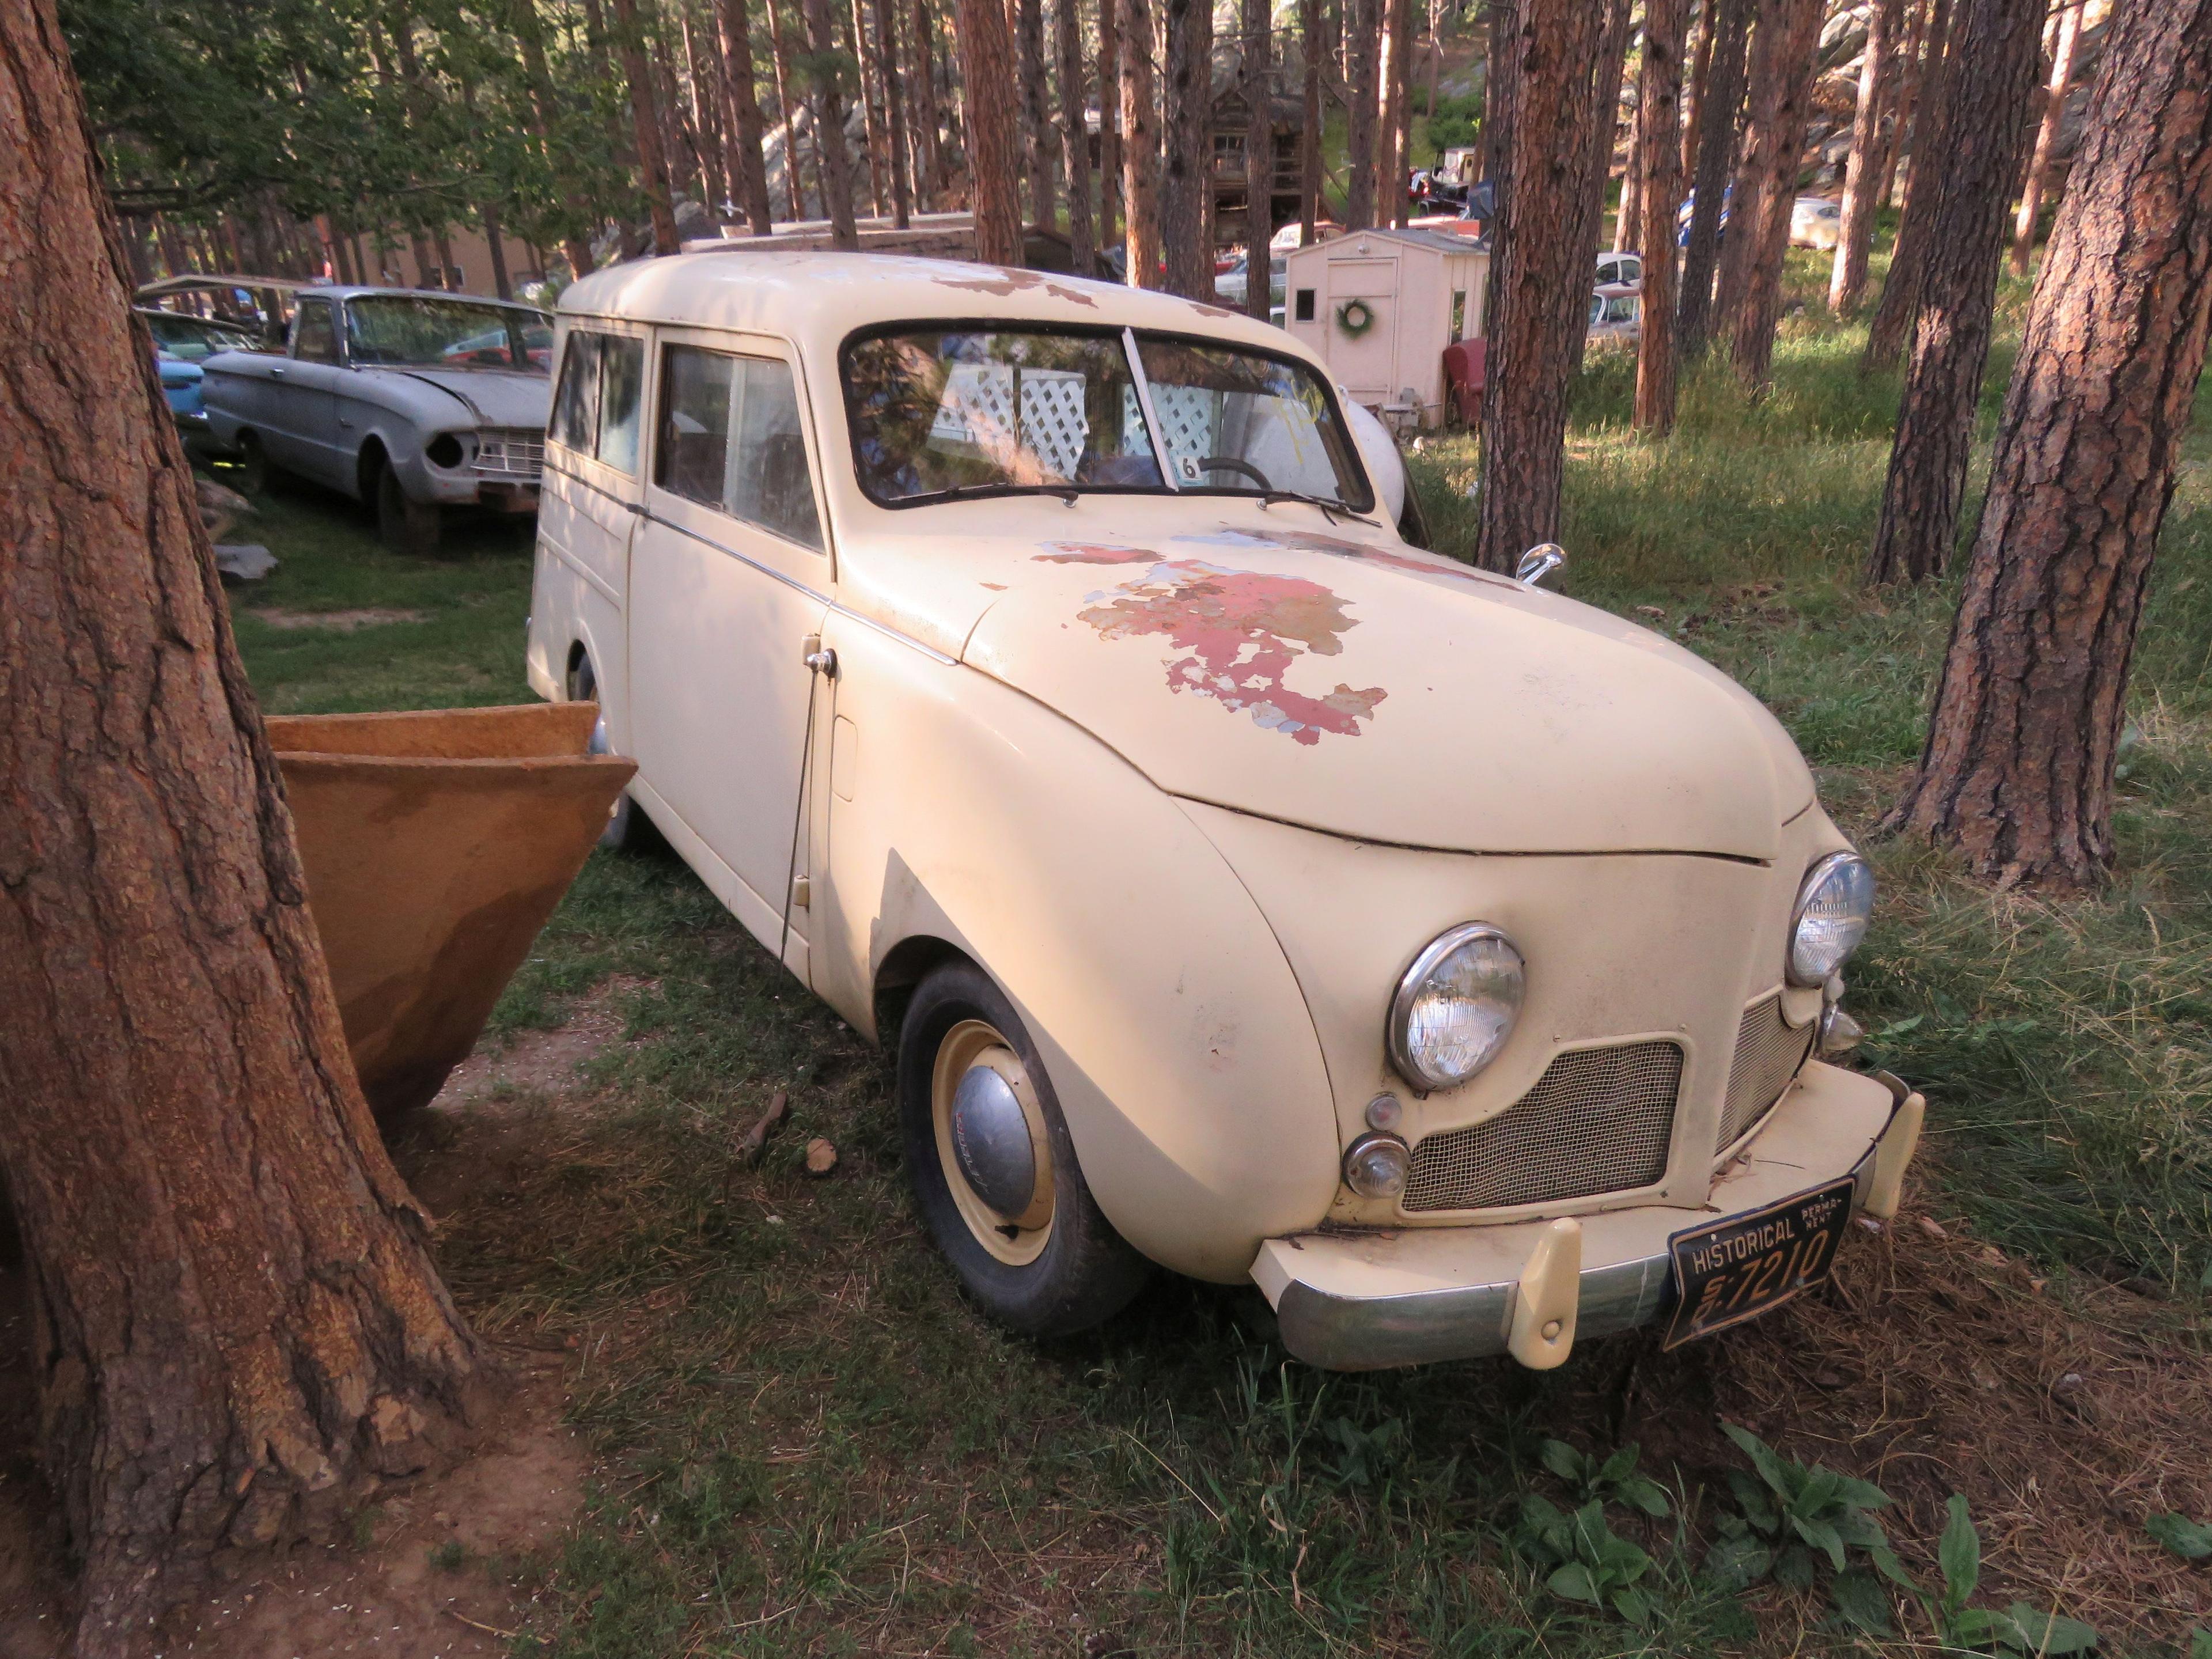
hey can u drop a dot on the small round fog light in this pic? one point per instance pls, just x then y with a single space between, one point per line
1377 1166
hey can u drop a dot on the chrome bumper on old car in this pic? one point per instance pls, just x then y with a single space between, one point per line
1368 1300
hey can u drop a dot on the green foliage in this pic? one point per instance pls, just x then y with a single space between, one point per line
1589 1564
2019 1629
1457 121
1612 1480
2190 1540
1795 1523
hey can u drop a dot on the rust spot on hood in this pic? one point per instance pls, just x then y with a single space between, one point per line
1239 632
1007 280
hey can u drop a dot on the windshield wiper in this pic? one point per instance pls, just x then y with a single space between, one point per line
1333 510
977 491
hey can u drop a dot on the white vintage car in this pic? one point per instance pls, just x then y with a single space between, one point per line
1035 667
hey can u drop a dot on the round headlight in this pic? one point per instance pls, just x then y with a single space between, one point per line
1455 1007
1833 908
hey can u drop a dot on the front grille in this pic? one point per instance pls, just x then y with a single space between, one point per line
517 452
1768 1054
1598 1120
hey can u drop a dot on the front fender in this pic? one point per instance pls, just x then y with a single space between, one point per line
1175 1033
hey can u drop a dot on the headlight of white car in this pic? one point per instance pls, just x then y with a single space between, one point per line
1834 905
1455 1006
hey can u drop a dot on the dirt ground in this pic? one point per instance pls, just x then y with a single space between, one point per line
438 1568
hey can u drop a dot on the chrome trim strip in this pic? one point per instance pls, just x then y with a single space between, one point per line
1470 1321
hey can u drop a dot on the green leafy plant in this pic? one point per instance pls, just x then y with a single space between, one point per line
1590 1563
2020 1628
1796 1520
1610 1480
2190 1540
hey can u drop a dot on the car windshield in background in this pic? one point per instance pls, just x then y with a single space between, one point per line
402 332
938 413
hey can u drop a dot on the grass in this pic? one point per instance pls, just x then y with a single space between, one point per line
808 1443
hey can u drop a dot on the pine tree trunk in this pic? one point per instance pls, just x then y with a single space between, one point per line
986 61
887 55
930 181
1987 130
1259 158
235 1324
1558 66
1074 141
2046 133
1140 143
1594 162
1781 151
1855 235
1186 177
735 30
835 155
1694 90
1110 123
2017 774
871 116
1362 43
1389 76
1627 214
1037 114
1717 139
1309 58
496 246
1659 142
530 33
1894 314
645 117
1401 143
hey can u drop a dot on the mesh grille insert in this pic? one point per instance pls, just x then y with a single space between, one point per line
1768 1054
1598 1120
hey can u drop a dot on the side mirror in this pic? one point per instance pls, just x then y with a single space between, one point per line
1538 563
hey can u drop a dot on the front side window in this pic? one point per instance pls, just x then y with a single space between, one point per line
314 337
622 382
577 399
731 440
941 412
415 331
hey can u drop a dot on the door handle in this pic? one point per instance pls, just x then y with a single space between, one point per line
637 508
345 422
278 369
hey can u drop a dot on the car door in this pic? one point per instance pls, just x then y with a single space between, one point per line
302 430
728 580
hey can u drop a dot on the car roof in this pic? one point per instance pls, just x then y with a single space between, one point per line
361 290
823 297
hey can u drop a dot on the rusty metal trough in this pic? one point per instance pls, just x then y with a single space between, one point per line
436 845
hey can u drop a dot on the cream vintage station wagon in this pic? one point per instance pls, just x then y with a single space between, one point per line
1038 668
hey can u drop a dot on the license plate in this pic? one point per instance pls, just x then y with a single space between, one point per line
1750 1264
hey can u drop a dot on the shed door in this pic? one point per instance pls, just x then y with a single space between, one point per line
1363 363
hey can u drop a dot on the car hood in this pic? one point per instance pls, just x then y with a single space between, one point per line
482 397
1370 691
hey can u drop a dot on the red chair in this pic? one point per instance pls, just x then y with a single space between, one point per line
1463 375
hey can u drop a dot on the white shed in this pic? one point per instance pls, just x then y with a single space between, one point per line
1381 306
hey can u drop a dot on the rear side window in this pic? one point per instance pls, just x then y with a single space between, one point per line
596 406
315 338
731 440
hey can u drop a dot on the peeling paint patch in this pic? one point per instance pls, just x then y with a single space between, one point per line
1097 553
1008 282
996 588
1310 541
1239 631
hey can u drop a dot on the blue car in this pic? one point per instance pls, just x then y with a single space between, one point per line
1689 206
180 342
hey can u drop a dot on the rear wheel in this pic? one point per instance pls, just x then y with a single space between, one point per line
405 526
257 474
995 1172
625 826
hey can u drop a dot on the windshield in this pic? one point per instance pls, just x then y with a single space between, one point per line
938 411
401 331
194 337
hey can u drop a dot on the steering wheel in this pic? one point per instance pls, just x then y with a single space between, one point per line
1231 464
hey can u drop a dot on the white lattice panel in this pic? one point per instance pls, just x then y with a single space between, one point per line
1189 416
1054 425
980 404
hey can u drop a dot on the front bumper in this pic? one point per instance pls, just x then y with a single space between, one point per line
1371 1300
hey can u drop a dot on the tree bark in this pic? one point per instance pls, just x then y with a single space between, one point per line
1626 228
1559 62
986 61
1763 90
887 55
1074 141
1110 123
1861 172
1037 114
871 116
496 246
1390 109
1658 115
1362 43
1186 178
835 155
931 181
1717 148
1782 146
1693 92
735 30
1259 158
1140 143
235 1324
2046 133
1986 132
1899 304
787 114
645 117
1594 163
2017 773
1309 59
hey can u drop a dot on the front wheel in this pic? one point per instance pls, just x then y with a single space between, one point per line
405 526
257 474
995 1172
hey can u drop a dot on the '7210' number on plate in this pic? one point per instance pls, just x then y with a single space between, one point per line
1748 1264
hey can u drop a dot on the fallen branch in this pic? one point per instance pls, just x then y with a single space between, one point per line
756 1141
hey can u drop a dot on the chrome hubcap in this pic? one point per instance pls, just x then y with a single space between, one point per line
991 1141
